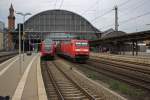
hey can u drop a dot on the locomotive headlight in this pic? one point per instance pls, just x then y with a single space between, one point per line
81 50
77 49
85 50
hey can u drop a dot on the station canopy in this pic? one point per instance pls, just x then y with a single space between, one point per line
59 25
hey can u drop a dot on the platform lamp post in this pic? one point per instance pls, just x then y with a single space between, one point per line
20 63
29 30
23 14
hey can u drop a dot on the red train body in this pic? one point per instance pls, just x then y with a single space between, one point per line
78 50
48 48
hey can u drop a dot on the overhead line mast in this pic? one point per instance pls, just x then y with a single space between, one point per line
116 18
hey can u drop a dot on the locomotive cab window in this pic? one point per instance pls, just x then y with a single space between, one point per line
81 44
48 46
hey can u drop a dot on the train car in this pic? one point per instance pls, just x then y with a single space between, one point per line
47 49
77 50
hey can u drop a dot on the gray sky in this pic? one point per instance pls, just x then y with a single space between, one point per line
134 15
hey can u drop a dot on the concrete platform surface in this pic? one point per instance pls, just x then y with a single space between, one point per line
22 82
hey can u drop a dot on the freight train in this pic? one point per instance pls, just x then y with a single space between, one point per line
47 49
76 50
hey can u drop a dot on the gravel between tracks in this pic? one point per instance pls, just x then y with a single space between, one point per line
56 81
134 76
105 93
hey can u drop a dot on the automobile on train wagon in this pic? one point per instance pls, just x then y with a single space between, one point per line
77 50
47 49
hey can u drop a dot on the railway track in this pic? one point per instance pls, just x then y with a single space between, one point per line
124 61
124 73
133 67
132 77
6 57
59 86
141 73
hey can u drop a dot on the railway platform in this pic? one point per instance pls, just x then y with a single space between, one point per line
125 58
22 80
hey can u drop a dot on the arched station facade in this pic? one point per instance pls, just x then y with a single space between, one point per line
58 25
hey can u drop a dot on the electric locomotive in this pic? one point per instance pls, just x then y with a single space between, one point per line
77 50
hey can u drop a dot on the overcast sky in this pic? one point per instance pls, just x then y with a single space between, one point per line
134 15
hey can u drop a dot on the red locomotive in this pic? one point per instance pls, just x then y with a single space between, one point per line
77 50
47 49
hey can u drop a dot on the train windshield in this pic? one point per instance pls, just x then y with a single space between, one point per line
48 41
47 46
81 44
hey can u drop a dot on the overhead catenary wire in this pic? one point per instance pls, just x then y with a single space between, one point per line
124 3
108 26
135 27
90 7
109 11
55 3
134 8
62 1
131 27
130 4
128 20
101 15
134 18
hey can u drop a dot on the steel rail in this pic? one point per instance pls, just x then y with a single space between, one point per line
60 96
75 83
123 61
126 70
117 75
144 69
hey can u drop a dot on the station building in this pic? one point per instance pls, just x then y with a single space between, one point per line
58 25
